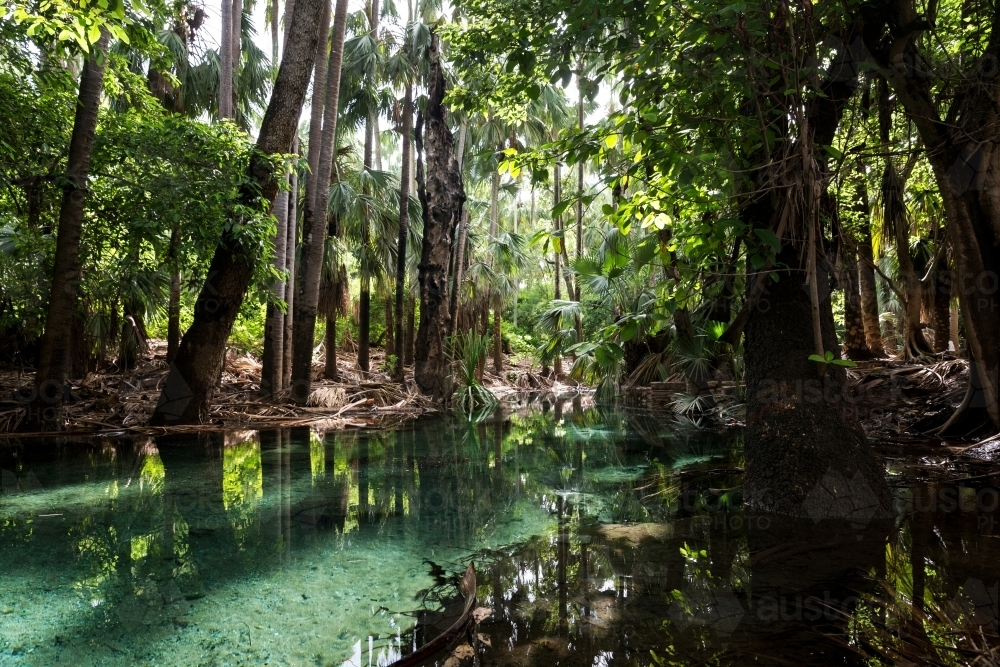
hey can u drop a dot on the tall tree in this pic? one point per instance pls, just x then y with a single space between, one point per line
314 223
53 362
404 230
441 197
190 383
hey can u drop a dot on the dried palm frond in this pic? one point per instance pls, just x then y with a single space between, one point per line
327 397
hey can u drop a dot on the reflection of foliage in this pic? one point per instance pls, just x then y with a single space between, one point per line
242 486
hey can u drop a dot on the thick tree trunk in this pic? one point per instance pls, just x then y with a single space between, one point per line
225 100
188 390
855 343
806 453
274 323
314 223
54 360
442 197
404 226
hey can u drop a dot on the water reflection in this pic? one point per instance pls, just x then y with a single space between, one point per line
601 538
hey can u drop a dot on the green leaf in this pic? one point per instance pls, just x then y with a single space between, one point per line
845 362
768 237
817 358
611 140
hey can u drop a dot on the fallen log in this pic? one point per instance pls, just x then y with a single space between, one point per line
439 643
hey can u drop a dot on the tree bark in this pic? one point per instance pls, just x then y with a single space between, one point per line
237 54
291 247
189 386
330 370
174 302
866 278
54 362
855 343
404 226
411 331
556 228
225 100
442 197
314 223
806 454
497 341
941 292
271 373
390 330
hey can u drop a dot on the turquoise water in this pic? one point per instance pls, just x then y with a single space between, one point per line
600 538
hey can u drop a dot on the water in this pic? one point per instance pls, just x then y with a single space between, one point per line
600 538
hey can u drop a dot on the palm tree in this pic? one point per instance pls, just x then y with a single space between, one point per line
315 221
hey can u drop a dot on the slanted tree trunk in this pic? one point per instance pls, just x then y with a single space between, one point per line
190 384
404 226
271 373
855 343
314 223
54 361
442 197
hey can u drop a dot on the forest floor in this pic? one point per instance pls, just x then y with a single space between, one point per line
898 402
114 401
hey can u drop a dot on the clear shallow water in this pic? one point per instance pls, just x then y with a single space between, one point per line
599 538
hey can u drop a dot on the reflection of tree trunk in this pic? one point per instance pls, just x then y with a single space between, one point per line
54 354
563 554
189 386
442 197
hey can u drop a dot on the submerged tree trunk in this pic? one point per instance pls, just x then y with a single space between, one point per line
54 360
314 223
442 197
190 384
404 227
